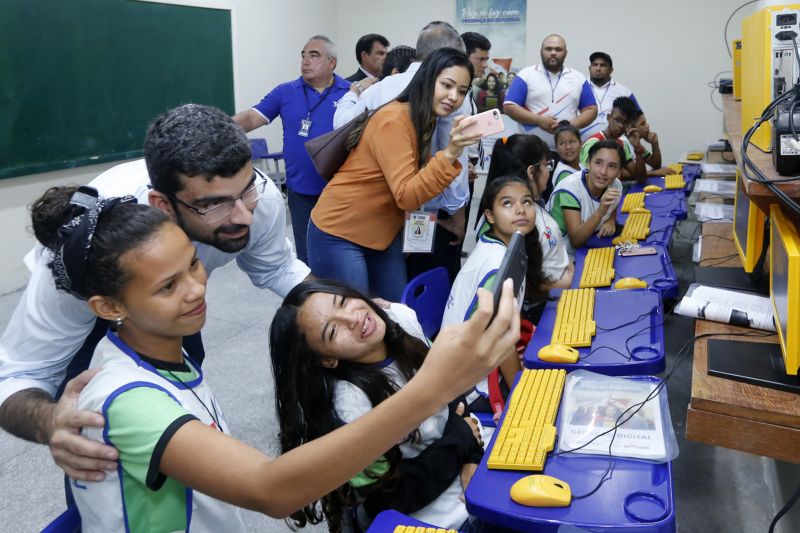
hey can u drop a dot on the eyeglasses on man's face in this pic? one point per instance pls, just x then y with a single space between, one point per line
219 210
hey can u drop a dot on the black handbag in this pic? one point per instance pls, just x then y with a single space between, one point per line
328 152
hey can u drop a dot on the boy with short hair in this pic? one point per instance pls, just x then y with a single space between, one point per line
619 127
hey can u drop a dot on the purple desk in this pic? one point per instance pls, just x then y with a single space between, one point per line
638 317
661 203
655 269
637 498
386 521
661 228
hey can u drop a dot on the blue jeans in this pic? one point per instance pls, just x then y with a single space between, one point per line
300 206
374 272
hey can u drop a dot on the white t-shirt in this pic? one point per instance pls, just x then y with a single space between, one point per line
562 95
49 326
605 96
446 511
562 171
555 258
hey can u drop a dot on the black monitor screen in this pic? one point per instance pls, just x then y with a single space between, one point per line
779 270
742 215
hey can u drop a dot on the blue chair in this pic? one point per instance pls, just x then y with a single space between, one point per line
427 295
67 522
260 152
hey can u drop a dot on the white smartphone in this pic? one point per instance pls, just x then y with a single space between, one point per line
487 123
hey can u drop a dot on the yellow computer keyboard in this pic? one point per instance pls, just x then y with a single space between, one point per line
674 181
575 324
637 226
677 167
528 431
632 201
420 529
598 268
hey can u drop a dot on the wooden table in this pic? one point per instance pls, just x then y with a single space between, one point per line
729 413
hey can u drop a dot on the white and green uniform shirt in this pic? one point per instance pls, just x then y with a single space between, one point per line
143 408
562 171
446 511
573 193
627 147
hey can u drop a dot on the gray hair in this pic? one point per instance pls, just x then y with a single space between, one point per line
330 48
436 35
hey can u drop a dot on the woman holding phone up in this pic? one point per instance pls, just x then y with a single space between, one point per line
355 231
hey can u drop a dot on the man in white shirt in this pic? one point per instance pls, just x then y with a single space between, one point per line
543 95
197 168
452 201
605 90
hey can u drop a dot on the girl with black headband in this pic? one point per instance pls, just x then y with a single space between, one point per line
177 465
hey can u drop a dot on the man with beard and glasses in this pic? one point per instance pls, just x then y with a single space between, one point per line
543 95
197 169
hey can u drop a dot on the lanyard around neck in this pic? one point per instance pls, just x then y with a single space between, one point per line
600 100
321 97
550 82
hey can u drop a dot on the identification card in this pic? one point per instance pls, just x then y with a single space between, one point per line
305 127
420 228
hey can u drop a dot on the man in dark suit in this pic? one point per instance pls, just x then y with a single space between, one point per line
370 53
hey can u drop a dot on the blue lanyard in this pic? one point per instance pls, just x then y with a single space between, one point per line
553 87
321 98
600 101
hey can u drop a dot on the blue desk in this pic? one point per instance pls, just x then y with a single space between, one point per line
386 521
641 336
661 228
660 181
655 269
691 171
638 497
659 203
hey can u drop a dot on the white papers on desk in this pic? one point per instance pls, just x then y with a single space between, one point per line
728 307
718 187
706 212
717 170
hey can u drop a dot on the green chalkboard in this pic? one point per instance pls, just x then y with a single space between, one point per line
82 79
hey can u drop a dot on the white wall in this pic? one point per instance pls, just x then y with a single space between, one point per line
665 51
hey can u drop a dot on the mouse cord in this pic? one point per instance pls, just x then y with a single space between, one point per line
785 509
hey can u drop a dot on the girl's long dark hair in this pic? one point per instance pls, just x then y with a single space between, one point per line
304 390
534 277
419 95
513 155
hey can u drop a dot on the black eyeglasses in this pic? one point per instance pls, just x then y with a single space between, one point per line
222 209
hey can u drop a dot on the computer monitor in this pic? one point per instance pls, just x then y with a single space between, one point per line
748 226
784 285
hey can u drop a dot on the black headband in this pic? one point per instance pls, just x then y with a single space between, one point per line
69 261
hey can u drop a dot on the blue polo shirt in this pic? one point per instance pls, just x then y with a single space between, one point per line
293 101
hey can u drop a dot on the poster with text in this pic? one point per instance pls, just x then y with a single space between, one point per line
503 23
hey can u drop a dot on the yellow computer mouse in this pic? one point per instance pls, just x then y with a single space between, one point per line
539 490
652 188
640 210
630 283
558 353
620 240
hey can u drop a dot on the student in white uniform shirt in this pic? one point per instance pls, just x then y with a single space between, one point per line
568 146
605 90
543 95
508 206
337 355
586 202
197 169
526 156
178 468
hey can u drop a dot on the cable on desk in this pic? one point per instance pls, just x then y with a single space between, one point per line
784 509
635 408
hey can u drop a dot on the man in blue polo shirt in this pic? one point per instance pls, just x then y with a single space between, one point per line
543 95
306 106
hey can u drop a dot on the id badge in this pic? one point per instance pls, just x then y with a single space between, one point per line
419 231
305 127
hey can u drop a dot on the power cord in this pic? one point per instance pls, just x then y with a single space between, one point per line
784 509
725 32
